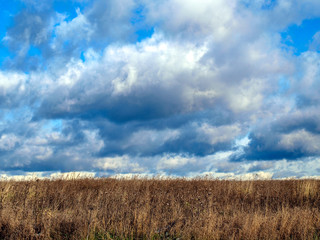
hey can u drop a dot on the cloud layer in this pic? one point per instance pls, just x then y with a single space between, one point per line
171 87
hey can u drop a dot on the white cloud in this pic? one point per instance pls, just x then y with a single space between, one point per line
12 81
193 17
144 140
8 142
28 153
171 162
65 30
301 140
221 134
118 164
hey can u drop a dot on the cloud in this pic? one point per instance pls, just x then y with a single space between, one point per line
301 140
292 136
111 19
174 162
118 164
31 31
8 142
42 36
186 18
13 88
139 78
315 44
290 131
261 166
158 79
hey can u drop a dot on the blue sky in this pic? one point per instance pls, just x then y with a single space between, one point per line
183 88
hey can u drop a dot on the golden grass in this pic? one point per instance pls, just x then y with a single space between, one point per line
160 209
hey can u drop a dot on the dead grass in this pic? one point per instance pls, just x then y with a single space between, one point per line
160 209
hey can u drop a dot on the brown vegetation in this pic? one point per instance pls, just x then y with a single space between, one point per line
160 209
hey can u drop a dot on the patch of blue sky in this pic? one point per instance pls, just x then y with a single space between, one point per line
283 89
299 37
143 30
242 141
53 125
56 124
283 84
144 33
67 43
7 11
15 115
91 54
9 117
268 4
69 8
4 54
263 5
36 55
34 51
82 56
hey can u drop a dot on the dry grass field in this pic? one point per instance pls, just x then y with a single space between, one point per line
160 209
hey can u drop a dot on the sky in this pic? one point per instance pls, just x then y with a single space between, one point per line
162 87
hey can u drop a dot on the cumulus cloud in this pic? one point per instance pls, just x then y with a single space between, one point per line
118 164
111 19
293 131
168 162
8 142
42 36
13 88
186 18
140 76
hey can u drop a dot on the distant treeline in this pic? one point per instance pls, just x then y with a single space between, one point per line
160 209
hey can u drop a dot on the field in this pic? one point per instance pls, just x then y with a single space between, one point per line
160 209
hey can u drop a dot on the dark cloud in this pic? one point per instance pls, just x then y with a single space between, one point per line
304 101
293 136
140 105
267 148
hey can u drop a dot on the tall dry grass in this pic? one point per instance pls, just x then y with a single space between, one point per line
160 209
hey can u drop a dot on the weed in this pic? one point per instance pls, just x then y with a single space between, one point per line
159 209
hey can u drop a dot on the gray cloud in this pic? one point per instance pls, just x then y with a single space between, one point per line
292 132
292 136
110 20
263 166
